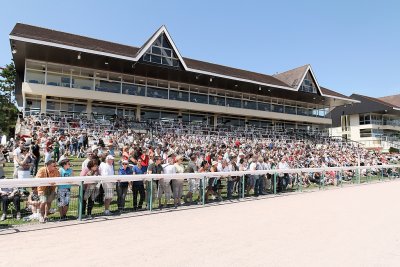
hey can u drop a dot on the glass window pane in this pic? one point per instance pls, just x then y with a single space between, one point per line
198 98
232 102
277 108
110 87
157 93
216 100
35 76
290 110
177 95
82 83
156 50
249 104
264 106
156 59
132 89
35 65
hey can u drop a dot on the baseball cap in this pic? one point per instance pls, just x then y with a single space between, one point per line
109 157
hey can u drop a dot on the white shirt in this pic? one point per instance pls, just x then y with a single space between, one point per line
169 169
85 163
106 169
16 155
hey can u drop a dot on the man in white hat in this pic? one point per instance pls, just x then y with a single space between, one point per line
107 169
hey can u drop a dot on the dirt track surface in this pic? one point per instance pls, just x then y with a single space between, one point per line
353 226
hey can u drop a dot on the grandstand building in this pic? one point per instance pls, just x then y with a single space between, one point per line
374 122
63 73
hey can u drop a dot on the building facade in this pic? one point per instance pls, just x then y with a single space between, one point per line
373 122
62 73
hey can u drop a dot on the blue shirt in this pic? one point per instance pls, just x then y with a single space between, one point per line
136 170
127 171
65 173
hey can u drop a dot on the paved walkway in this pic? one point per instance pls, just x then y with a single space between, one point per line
353 226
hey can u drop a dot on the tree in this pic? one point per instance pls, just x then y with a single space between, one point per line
8 108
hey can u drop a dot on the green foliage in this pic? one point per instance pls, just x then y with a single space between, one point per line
393 150
8 109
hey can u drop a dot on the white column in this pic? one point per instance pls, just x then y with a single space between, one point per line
43 104
138 115
89 109
215 120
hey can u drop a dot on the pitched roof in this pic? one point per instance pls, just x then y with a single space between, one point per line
292 77
63 38
380 101
229 71
287 80
392 99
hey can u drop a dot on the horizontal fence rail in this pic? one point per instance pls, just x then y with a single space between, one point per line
86 202
77 180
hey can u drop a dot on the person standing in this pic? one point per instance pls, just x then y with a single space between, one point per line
36 157
63 191
91 190
177 184
138 186
193 183
122 187
25 162
156 168
16 155
107 169
164 184
2 162
46 193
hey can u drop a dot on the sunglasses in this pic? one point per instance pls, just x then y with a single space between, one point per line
124 163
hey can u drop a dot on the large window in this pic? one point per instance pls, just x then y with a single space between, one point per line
157 92
308 84
365 119
216 100
233 102
35 72
161 52
177 95
198 98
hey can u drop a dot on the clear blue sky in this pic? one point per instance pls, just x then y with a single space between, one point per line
353 46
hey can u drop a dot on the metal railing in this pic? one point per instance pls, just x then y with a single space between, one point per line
242 180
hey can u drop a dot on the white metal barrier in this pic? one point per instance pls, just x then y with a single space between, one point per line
77 180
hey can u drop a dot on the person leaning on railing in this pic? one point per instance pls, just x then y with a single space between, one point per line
91 190
47 193
122 187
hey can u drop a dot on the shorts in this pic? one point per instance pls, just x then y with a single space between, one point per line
108 190
91 191
63 196
47 198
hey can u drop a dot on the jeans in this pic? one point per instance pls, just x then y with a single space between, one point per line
259 185
138 187
230 185
5 201
35 167
122 189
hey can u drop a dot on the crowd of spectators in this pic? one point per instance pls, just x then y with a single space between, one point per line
55 141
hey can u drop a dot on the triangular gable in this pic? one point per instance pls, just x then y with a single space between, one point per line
308 82
157 49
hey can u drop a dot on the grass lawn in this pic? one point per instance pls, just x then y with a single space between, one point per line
99 208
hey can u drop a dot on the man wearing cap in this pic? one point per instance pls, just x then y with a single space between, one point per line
122 187
107 169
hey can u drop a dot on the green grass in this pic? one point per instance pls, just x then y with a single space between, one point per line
98 208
